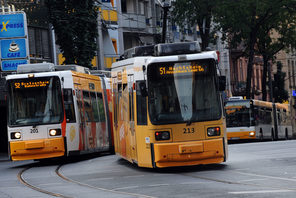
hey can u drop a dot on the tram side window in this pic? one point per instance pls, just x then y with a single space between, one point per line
87 106
115 106
141 106
69 105
95 108
131 104
101 107
267 117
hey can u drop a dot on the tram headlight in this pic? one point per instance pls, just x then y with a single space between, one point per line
214 131
15 135
252 133
55 132
162 135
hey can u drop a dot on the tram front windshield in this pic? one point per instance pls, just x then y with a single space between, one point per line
183 92
34 101
238 114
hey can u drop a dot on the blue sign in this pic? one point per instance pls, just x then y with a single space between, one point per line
11 65
12 25
293 92
13 48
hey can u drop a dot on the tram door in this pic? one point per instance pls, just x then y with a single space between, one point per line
82 119
131 127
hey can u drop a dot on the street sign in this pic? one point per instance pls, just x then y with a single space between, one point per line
11 65
13 48
293 92
12 25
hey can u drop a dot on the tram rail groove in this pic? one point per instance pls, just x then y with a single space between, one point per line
23 181
97 188
59 174
242 183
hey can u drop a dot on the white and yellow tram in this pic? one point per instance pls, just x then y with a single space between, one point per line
56 111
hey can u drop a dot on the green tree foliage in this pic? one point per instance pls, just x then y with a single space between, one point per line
242 20
195 12
280 34
75 24
278 85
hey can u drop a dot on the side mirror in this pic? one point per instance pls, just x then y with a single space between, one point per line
222 83
143 89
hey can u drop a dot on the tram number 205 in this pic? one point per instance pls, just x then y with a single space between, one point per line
34 130
188 130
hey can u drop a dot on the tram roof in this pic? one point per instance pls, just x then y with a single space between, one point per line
146 60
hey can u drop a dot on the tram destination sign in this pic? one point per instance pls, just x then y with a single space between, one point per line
30 84
183 68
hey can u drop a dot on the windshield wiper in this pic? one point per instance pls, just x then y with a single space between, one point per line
189 122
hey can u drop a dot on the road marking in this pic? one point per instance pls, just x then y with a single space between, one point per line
260 191
248 180
100 179
189 183
134 176
157 185
127 187
266 176
51 184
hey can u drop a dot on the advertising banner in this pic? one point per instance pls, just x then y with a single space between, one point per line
11 65
13 48
12 25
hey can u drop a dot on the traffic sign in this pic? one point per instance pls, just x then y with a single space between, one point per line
13 48
12 25
11 65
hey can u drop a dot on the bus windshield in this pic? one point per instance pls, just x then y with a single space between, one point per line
34 101
238 114
180 92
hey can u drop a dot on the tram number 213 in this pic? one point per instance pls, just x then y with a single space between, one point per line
188 130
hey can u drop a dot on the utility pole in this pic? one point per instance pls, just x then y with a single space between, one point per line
165 4
100 51
274 115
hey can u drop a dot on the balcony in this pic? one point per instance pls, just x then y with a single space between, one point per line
133 21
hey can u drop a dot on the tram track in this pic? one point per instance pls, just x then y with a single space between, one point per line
25 181
244 183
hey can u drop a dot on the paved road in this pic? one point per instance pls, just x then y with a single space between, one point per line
259 169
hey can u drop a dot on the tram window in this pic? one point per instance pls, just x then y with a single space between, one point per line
267 117
115 106
94 106
141 106
101 107
87 107
69 106
131 104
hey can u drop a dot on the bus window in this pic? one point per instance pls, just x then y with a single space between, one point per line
69 106
141 106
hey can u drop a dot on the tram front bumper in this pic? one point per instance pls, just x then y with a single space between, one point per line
241 135
37 149
189 153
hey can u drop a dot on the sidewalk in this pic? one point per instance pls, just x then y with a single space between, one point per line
3 157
